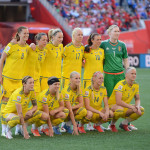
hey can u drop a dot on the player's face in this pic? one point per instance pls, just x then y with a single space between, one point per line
78 36
100 79
24 34
29 84
115 32
132 75
58 38
55 86
43 41
76 80
97 40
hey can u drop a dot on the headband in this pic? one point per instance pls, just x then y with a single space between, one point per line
53 80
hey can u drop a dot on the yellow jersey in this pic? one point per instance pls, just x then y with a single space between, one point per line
19 97
70 95
34 62
52 63
99 95
128 92
93 62
72 59
46 98
14 65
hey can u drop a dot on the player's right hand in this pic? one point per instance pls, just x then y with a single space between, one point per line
51 133
75 130
26 135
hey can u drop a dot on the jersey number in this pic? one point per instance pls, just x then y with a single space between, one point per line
96 99
22 56
77 55
114 53
97 57
57 54
40 57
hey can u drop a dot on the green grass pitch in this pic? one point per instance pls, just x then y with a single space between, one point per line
92 140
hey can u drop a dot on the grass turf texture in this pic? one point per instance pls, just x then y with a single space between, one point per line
92 140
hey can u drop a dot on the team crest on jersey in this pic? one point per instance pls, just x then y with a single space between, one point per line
67 96
18 99
120 87
107 48
100 53
7 49
44 99
81 50
119 48
86 93
101 93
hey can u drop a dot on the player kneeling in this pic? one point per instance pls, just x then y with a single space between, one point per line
16 110
93 97
51 103
119 101
72 96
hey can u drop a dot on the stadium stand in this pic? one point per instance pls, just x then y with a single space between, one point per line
99 14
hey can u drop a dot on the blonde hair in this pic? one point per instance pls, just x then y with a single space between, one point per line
72 74
129 69
57 92
75 30
95 74
111 28
53 32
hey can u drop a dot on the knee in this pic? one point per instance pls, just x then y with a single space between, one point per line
89 114
44 116
111 114
62 115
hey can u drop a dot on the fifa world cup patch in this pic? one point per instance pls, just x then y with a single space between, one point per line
86 93
7 49
44 99
18 99
66 96
120 87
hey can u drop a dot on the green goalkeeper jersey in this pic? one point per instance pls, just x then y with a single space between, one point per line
114 54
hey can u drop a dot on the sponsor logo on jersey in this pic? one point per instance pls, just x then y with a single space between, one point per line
7 49
113 48
86 93
107 48
67 96
73 51
78 50
120 87
18 99
119 48
44 99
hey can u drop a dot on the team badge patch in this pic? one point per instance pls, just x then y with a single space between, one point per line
18 99
101 94
7 49
44 99
133 89
67 96
86 93
120 87
119 48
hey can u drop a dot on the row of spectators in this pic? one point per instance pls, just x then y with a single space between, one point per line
99 14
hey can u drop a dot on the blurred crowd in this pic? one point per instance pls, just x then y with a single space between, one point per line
100 14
